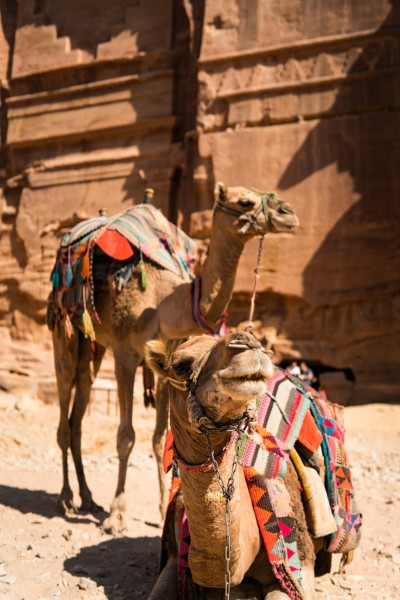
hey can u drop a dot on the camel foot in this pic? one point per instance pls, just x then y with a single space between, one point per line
117 521
89 506
66 506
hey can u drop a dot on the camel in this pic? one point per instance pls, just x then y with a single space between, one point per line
223 378
163 310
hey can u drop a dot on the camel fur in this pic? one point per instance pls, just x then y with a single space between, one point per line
161 311
234 374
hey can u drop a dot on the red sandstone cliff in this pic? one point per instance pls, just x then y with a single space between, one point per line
99 101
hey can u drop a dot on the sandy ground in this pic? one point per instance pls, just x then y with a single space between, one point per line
44 556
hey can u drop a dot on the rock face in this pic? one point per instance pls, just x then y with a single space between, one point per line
98 102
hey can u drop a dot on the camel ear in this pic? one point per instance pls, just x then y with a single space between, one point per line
221 192
156 357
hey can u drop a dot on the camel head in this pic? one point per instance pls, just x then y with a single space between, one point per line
212 381
253 212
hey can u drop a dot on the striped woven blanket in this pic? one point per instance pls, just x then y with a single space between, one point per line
146 229
287 413
264 457
127 237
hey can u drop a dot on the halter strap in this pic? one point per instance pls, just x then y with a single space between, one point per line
198 316
249 219
200 421
184 385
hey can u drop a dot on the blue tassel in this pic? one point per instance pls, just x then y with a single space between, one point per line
56 279
69 276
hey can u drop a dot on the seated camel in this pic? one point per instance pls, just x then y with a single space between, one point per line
245 530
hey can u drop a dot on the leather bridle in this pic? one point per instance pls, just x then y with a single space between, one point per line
197 416
249 219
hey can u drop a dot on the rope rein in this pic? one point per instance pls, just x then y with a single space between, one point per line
249 326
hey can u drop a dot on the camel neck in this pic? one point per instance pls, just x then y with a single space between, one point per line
219 271
217 280
206 513
206 507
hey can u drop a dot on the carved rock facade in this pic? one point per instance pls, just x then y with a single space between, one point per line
99 101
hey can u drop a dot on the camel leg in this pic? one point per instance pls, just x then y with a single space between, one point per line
86 372
65 362
160 431
166 587
126 363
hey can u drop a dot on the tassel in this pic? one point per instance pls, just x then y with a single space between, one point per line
56 279
145 279
86 266
69 276
69 329
346 559
87 325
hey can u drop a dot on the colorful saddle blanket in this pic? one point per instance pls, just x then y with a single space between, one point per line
146 229
141 231
283 417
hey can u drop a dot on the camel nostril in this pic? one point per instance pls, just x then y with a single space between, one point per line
243 340
287 209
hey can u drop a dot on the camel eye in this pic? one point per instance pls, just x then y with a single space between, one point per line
246 203
183 367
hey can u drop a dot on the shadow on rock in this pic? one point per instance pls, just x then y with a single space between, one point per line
126 567
41 503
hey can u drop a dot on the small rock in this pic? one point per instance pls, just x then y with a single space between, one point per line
67 535
3 571
83 583
86 584
22 403
8 580
396 558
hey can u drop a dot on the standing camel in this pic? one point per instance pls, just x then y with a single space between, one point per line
163 310
214 385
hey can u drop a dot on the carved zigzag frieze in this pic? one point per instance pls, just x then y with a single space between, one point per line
248 86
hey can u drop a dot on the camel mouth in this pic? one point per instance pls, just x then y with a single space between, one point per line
248 387
283 226
240 373
259 376
246 383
